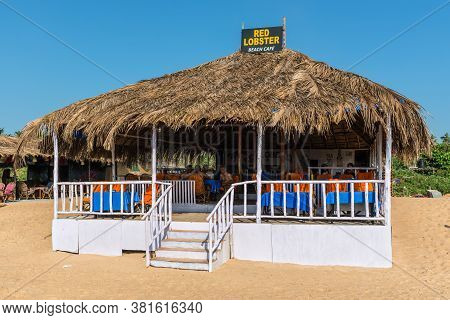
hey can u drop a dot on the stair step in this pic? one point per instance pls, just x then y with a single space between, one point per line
188 253
184 243
177 263
188 234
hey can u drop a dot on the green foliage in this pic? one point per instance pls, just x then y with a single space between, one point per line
436 175
440 155
397 164
22 174
410 183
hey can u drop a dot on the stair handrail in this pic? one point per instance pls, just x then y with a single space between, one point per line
220 221
161 213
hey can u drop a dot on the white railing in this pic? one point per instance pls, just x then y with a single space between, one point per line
220 221
183 191
300 200
157 221
107 197
334 170
320 200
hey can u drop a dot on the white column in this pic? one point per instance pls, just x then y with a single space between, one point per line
380 151
113 160
387 172
154 164
55 175
259 172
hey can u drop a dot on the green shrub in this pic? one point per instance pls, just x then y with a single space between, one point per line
408 183
436 175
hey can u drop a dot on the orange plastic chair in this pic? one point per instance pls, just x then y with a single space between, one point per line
160 176
199 184
277 187
345 177
148 195
173 176
303 188
331 187
361 187
324 176
115 188
295 176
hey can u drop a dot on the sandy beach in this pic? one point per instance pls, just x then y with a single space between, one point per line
29 269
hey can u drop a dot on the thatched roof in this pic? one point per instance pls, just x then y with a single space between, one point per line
286 90
9 148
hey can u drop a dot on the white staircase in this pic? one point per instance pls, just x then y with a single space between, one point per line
184 249
188 245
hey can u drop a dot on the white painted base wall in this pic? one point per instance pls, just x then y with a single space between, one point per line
317 245
101 237
106 237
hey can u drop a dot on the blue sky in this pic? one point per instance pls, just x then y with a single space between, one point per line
135 40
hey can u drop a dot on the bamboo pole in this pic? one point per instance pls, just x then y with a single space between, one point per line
283 156
387 173
154 164
380 152
55 175
239 155
113 160
259 173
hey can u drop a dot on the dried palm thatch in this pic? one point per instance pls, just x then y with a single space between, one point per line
285 90
9 147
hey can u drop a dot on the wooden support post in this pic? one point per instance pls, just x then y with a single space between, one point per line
387 173
380 152
55 175
259 172
254 150
284 32
113 160
283 157
154 146
16 190
239 155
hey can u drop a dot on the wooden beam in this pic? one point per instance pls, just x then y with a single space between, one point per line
359 131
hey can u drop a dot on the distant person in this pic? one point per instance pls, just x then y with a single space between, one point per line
349 173
209 173
6 176
225 178
187 172
198 177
